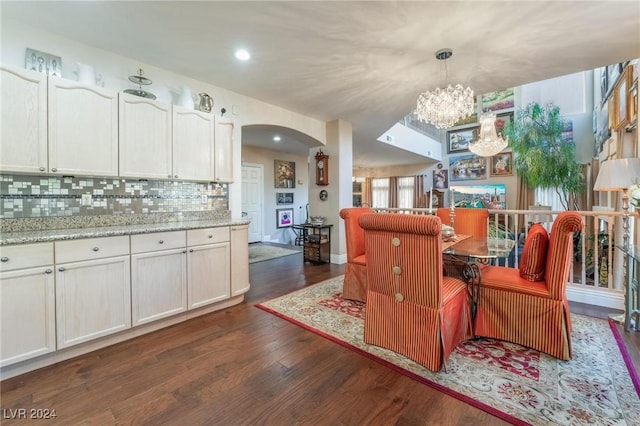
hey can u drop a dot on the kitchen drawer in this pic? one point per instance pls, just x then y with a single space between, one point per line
91 248
158 241
25 256
197 237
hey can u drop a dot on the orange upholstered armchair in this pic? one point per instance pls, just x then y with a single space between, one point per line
412 309
534 314
467 221
355 276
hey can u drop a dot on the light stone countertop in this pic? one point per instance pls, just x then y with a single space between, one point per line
27 237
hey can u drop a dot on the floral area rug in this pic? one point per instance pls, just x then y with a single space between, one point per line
259 252
599 386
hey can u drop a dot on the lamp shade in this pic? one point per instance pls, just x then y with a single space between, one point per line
618 174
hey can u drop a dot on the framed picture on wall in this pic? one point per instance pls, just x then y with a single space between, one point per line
487 196
501 164
498 100
284 218
502 120
467 167
621 96
284 174
458 140
284 198
441 179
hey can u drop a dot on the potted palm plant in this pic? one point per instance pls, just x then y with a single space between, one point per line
542 157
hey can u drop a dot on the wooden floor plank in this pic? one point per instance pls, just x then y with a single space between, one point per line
243 366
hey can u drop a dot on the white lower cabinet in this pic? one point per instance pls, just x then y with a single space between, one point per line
208 266
158 277
27 302
93 297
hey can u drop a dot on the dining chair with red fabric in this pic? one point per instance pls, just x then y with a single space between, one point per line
412 309
467 221
524 306
355 276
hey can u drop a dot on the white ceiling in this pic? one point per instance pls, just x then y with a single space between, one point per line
363 62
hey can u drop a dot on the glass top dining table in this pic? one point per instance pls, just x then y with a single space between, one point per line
480 248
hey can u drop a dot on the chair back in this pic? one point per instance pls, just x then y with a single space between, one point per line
560 252
354 234
404 251
467 221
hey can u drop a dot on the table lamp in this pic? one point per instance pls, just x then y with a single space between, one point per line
619 175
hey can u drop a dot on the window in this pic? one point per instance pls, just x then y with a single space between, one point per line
405 192
380 193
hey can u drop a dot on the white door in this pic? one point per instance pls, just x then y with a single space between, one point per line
252 189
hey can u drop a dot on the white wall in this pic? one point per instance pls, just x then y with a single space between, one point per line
266 157
116 69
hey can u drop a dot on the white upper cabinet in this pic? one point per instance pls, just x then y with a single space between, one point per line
224 150
83 129
193 155
144 137
23 121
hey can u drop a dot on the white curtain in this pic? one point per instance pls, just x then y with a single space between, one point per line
380 193
405 192
548 197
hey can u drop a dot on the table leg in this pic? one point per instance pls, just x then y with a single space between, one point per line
471 275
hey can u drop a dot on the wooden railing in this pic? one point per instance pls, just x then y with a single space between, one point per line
597 274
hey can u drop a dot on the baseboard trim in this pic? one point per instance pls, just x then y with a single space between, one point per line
613 299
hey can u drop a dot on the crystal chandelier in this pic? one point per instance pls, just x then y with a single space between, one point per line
443 107
488 142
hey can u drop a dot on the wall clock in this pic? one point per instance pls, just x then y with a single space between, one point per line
322 168
324 195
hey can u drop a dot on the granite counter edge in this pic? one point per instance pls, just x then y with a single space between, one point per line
30 237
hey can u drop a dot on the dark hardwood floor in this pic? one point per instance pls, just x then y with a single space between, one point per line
241 366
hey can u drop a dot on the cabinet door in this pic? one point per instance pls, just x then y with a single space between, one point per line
23 114
208 274
93 299
158 285
239 259
145 137
223 150
27 314
83 129
192 144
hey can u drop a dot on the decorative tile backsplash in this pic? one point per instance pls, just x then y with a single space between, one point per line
53 196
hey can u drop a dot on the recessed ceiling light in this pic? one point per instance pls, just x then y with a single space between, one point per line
243 55
276 138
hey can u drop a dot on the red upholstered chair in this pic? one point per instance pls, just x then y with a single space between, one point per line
467 221
532 314
355 276
412 309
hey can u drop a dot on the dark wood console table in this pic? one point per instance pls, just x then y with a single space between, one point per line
316 240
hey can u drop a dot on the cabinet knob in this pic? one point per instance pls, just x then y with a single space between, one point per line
95 248
48 271
210 236
54 169
161 241
169 176
184 251
4 259
42 169
62 269
191 251
175 176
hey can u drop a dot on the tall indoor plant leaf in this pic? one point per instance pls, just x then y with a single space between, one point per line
542 158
